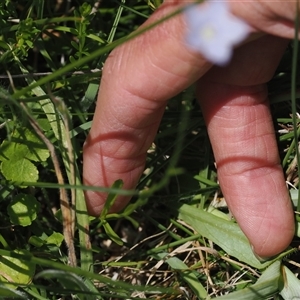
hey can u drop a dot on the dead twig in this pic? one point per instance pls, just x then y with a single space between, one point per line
67 211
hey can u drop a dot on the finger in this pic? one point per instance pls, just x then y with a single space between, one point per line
133 93
273 17
234 102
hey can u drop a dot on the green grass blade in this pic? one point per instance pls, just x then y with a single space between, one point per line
265 287
226 234
95 276
93 55
71 282
189 276
92 90
7 293
111 198
291 285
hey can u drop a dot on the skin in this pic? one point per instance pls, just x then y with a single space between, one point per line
140 76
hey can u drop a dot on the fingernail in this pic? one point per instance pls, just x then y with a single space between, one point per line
260 258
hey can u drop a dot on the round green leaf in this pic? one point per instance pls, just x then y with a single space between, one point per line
23 209
24 144
36 149
19 170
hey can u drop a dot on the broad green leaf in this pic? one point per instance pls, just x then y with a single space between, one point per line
44 124
24 144
15 270
291 286
55 238
17 154
23 209
20 170
266 286
189 276
224 233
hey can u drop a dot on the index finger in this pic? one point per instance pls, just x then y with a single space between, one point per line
138 79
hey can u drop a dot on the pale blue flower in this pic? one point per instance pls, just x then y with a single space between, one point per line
214 31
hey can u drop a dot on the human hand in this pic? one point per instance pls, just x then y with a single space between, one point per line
140 76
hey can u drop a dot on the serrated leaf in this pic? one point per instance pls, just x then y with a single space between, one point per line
291 286
15 270
189 276
266 286
16 154
226 234
23 209
20 170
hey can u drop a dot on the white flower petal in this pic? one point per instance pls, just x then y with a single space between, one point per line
214 31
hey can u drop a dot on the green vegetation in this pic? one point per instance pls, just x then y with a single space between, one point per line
175 240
